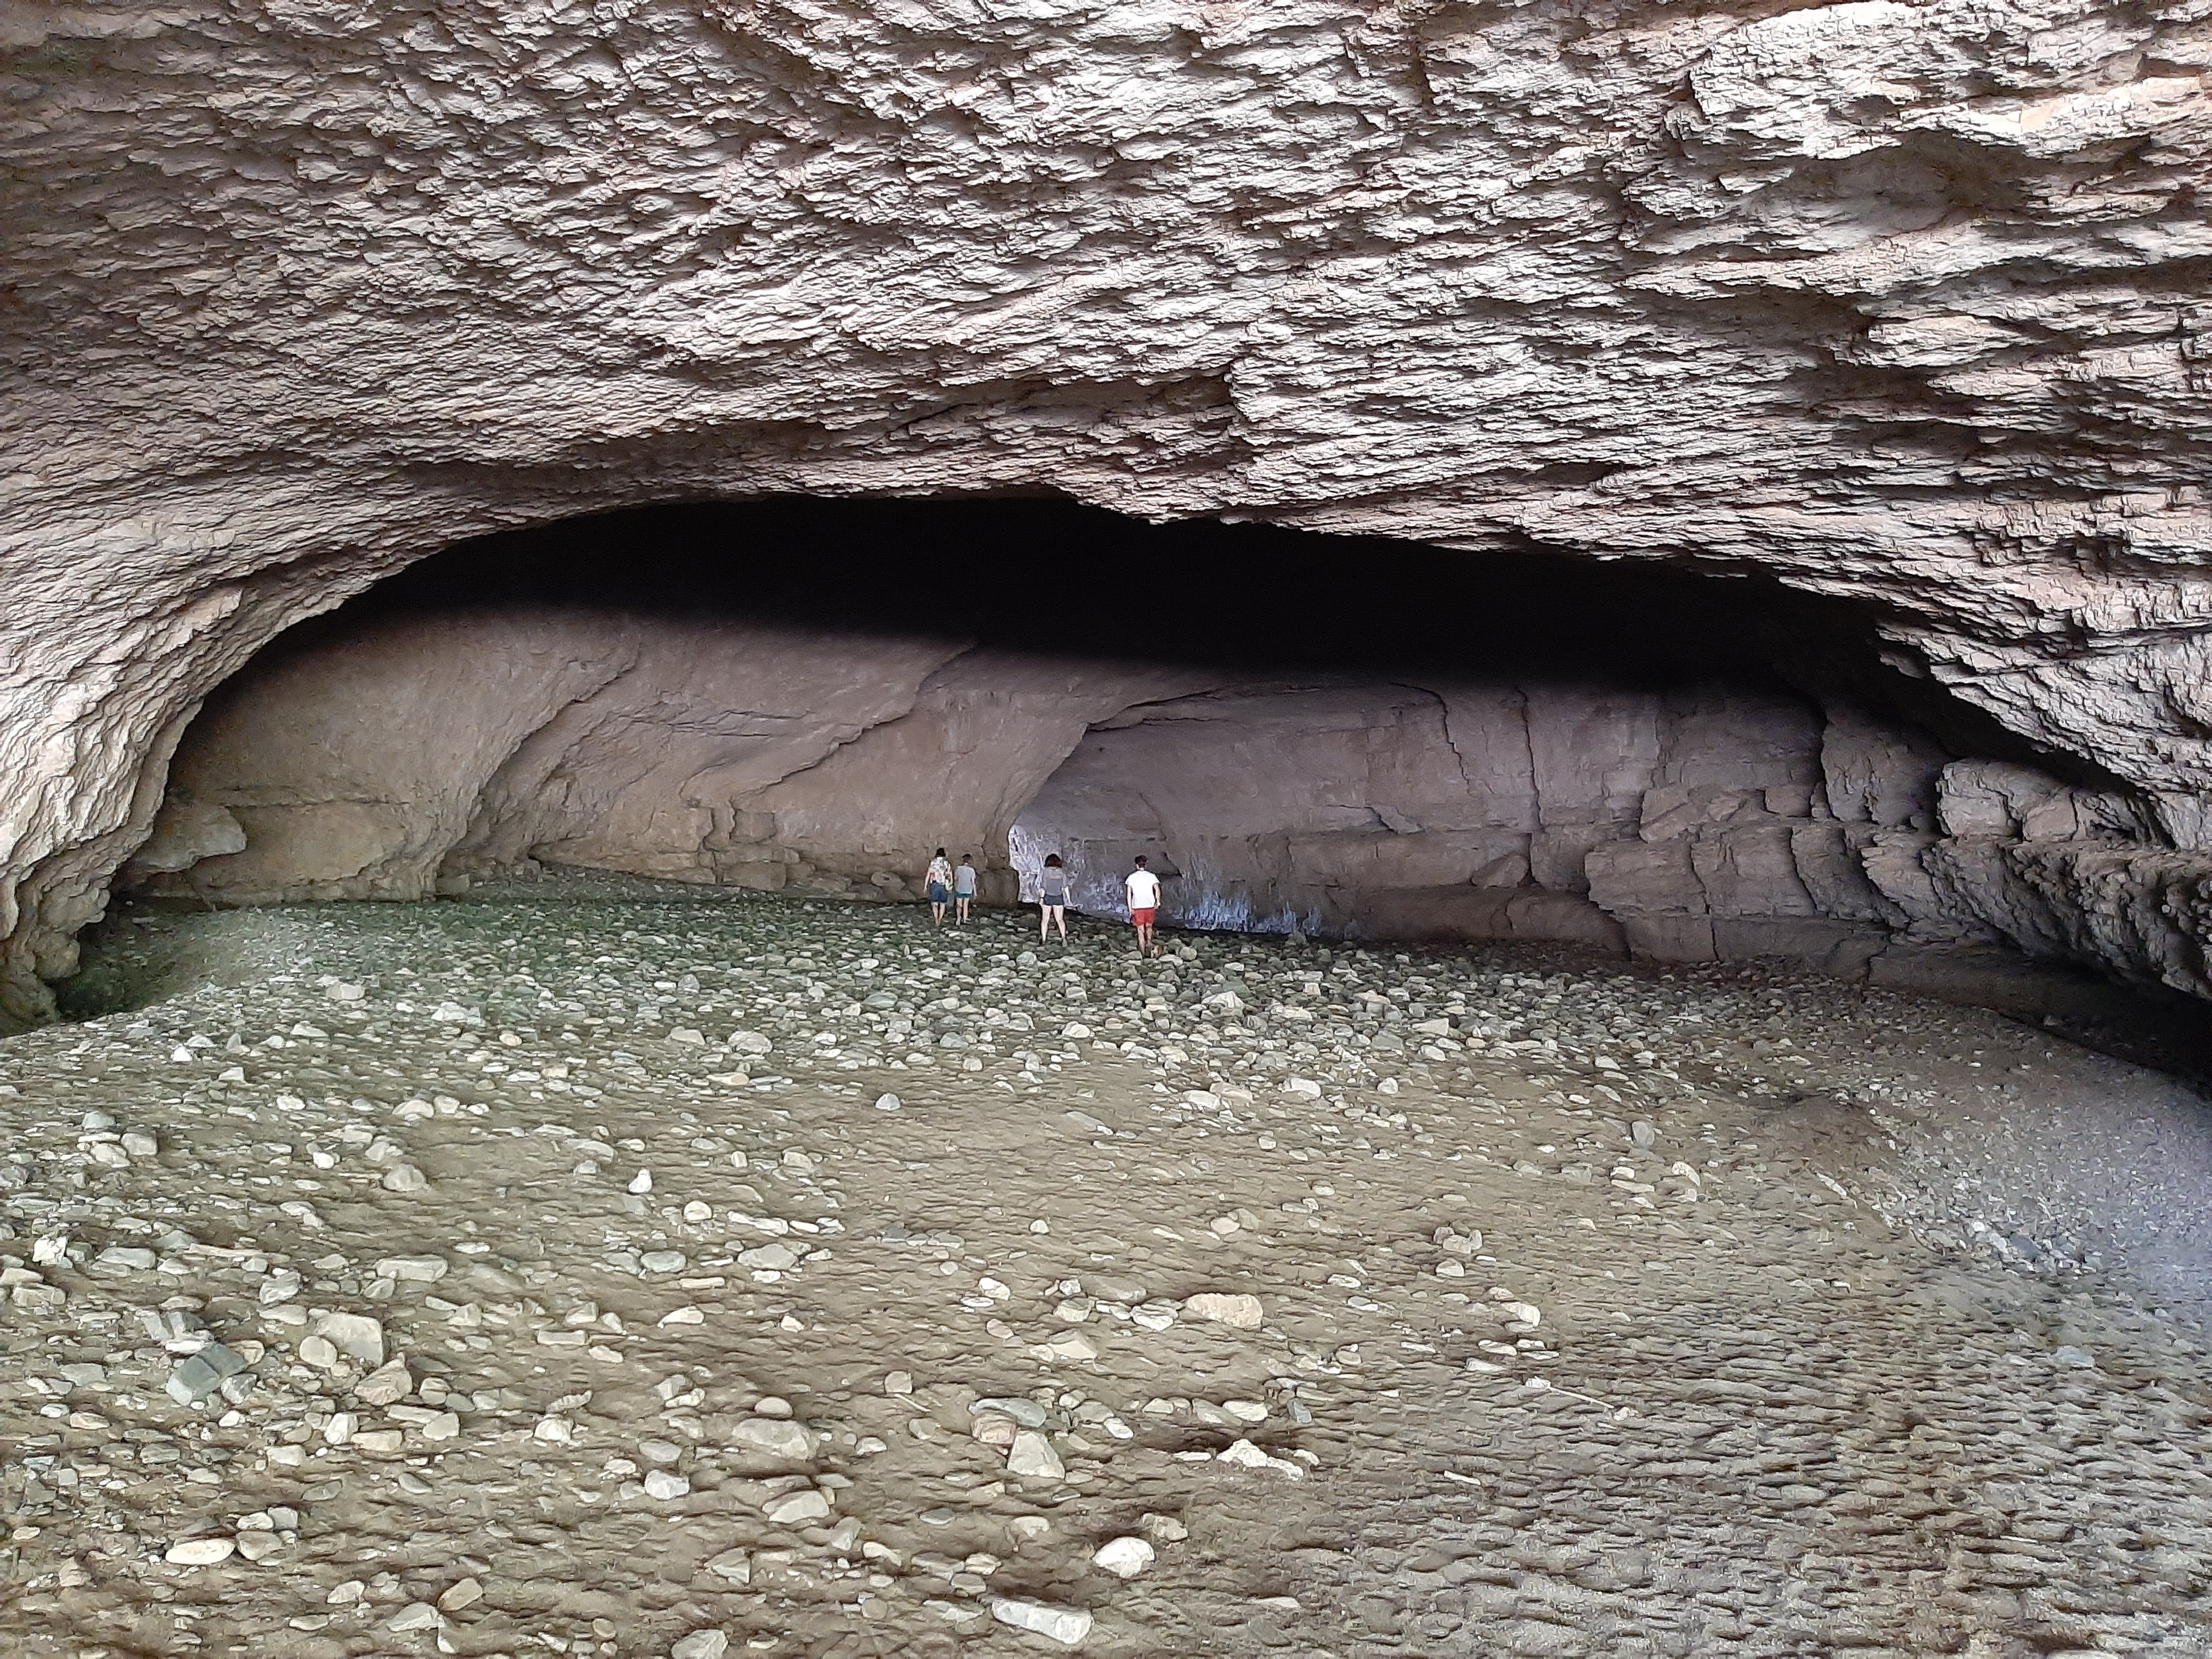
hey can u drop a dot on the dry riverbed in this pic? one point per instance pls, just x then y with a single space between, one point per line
601 1270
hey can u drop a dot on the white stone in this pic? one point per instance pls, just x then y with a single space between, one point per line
356 1336
774 1438
413 1269
1245 1454
794 1509
701 1645
385 1384
1032 1455
736 1565
1242 1311
1125 1558
1067 1626
200 1552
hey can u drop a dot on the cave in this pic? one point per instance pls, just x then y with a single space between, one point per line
1340 736
1640 573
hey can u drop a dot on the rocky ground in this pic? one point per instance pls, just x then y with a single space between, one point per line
607 1270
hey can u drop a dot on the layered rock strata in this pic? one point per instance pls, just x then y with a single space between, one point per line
1901 303
1692 823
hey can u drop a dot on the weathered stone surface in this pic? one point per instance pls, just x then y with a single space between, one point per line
1896 303
1709 821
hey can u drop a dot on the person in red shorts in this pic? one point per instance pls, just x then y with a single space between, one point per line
1144 889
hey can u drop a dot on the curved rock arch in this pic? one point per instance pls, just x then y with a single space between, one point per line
1653 283
1365 736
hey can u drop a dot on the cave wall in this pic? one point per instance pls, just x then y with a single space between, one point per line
407 755
1702 823
1900 303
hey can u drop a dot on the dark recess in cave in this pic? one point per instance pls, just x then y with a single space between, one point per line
1044 574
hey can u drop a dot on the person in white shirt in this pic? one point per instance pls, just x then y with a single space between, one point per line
1143 887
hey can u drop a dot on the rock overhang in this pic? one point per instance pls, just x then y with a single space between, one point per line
299 300
1352 736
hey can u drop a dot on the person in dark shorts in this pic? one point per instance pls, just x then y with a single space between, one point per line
939 885
963 887
1052 898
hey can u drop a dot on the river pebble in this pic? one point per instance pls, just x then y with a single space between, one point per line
566 1290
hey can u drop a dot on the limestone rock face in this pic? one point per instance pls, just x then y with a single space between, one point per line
1694 825
1899 302
403 757
417 752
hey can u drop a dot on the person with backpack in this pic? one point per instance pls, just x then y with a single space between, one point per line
939 885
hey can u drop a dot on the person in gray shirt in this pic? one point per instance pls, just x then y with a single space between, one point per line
1052 898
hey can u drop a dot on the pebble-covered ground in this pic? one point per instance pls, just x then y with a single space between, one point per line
607 1270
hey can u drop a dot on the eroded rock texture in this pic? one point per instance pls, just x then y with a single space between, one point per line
417 751
1901 303
1690 822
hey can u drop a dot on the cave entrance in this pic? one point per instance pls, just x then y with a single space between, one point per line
1362 737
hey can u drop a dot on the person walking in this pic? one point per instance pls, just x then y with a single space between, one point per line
939 885
1052 898
1144 890
963 888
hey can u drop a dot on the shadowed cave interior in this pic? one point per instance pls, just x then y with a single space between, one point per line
1352 737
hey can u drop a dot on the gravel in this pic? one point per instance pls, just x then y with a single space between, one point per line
1174 1309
